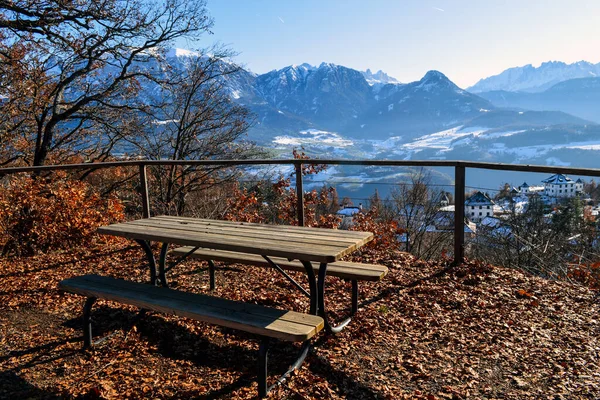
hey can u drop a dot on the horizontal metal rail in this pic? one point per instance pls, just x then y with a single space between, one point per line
375 163
458 165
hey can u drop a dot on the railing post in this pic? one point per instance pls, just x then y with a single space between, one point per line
459 214
300 194
144 191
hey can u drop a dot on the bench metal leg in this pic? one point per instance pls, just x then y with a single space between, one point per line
87 322
211 274
263 356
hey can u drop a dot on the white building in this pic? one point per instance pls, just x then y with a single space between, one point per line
527 190
479 206
560 185
347 214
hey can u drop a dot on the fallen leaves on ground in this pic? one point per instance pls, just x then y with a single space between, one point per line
426 331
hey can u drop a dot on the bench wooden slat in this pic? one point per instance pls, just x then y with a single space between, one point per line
264 321
341 269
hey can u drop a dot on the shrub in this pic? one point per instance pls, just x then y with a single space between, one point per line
384 228
39 214
587 274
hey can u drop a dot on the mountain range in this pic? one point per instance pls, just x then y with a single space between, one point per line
579 97
536 79
521 115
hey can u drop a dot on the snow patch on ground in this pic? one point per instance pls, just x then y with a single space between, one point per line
176 52
386 145
443 140
287 141
523 154
494 135
313 137
584 145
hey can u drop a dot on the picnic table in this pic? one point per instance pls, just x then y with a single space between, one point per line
280 247
307 245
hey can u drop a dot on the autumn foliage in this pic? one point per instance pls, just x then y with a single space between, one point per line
38 214
277 202
386 230
587 274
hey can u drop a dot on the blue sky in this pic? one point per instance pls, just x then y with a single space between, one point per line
466 40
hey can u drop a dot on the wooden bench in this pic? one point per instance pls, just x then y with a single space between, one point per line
268 323
351 271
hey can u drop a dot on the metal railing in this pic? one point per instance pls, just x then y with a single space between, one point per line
459 178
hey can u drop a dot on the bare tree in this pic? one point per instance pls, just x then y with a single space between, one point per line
72 69
416 207
539 239
196 119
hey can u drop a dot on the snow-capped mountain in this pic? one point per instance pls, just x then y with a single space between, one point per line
536 79
327 94
336 111
378 77
430 104
333 111
579 97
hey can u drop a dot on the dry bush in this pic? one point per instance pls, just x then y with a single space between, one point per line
39 214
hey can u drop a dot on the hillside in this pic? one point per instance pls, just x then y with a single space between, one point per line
424 332
432 103
579 97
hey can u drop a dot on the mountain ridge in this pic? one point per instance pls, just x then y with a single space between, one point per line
334 111
532 79
579 97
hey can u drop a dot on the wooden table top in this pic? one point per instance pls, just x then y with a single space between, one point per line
292 242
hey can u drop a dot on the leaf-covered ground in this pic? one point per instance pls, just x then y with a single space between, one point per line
423 332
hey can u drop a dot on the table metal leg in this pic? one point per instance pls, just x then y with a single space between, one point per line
87 322
211 274
158 271
151 260
321 302
287 276
354 297
162 262
313 288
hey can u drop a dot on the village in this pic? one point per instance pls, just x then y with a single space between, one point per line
486 215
